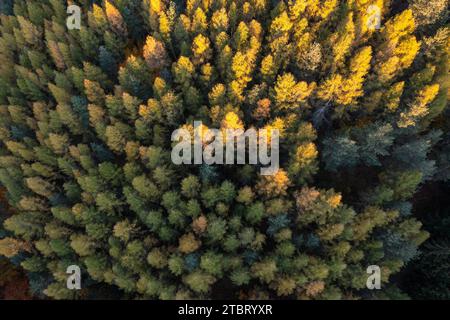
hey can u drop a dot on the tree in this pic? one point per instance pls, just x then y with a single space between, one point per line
190 186
155 54
275 185
212 263
124 230
341 41
199 282
418 108
183 70
115 19
429 12
40 186
86 123
200 224
201 49
188 243
157 259
10 247
289 94
82 245
264 270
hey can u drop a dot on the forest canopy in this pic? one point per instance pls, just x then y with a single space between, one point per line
358 90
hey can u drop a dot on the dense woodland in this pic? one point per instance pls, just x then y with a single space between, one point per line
86 118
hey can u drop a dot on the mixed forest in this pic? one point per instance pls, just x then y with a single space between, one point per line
358 90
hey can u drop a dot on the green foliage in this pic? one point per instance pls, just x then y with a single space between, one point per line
85 141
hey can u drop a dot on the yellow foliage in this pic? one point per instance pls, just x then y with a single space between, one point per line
300 32
207 71
314 288
419 108
392 97
241 36
164 25
281 24
306 153
199 22
155 6
388 69
360 64
268 67
115 18
400 47
191 5
277 124
144 110
335 200
219 20
10 247
296 8
201 48
352 86
236 90
232 121
321 8
111 10
345 91
398 27
274 185
152 107
341 41
99 15
407 50
242 68
183 70
188 243
289 93
327 7
256 29
217 94
200 44
330 88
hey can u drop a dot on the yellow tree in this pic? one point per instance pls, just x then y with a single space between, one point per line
199 21
242 66
289 94
280 29
155 54
97 18
9 247
341 41
219 20
399 48
419 108
359 67
152 9
201 49
115 19
368 16
345 90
